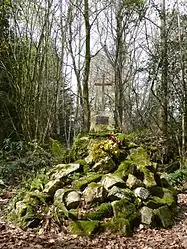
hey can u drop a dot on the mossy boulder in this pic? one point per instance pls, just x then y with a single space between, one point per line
116 193
147 216
125 168
165 216
68 197
110 180
133 182
25 211
62 171
52 186
95 192
125 209
80 148
83 182
105 165
119 225
99 213
162 196
139 157
72 199
59 203
84 228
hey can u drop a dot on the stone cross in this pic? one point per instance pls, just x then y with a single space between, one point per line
103 84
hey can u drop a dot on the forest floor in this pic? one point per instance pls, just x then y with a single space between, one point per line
175 237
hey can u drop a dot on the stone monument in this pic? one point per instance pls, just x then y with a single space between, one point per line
102 118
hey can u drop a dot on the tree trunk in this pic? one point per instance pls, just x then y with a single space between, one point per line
86 105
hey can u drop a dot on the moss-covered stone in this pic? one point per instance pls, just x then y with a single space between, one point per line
62 171
140 157
80 148
149 179
94 193
103 211
84 181
52 186
164 215
147 216
125 168
84 228
156 202
72 199
142 193
110 180
132 182
125 209
105 165
116 193
119 225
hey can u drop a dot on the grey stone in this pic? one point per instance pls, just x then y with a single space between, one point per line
133 182
147 215
116 193
59 196
52 186
101 126
61 171
142 193
72 199
94 193
112 180
59 202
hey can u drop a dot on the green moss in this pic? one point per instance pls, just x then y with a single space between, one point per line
125 168
124 209
84 181
86 169
149 179
139 157
103 211
24 213
119 225
156 191
165 216
84 228
79 148
94 185
156 202
82 162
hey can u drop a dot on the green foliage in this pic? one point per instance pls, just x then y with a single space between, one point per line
57 148
101 212
104 148
19 160
85 180
79 148
178 177
84 228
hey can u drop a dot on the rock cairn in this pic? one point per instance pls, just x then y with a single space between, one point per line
115 187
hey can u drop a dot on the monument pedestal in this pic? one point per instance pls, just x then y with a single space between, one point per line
102 121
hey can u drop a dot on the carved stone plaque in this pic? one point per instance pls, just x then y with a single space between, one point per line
102 120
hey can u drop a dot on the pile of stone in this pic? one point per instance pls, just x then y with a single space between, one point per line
114 187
